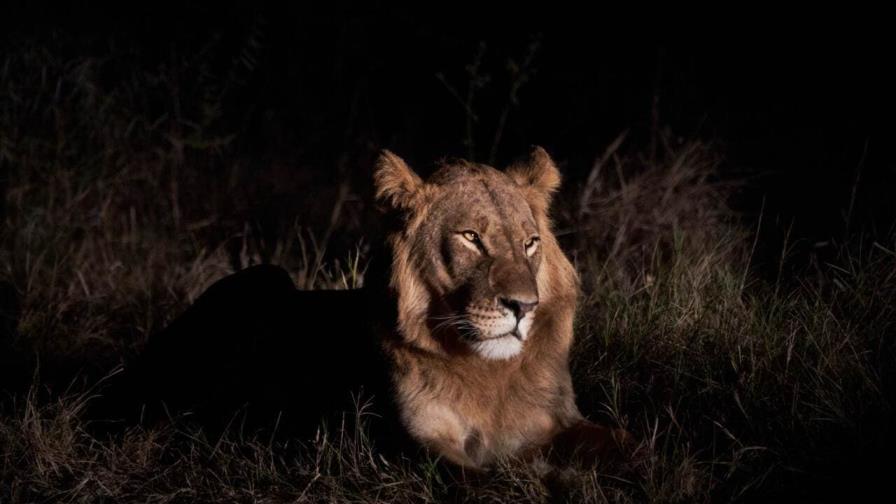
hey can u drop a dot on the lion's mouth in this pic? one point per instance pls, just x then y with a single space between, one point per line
514 333
495 326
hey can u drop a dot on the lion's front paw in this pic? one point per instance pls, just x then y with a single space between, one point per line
590 443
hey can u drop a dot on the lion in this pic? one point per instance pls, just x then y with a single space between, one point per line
463 342
485 305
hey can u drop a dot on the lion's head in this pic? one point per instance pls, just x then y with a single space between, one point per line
475 264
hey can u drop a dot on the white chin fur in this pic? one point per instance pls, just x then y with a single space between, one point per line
525 325
499 348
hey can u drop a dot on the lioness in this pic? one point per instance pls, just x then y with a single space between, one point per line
465 342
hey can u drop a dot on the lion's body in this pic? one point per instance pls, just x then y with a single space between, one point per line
465 341
254 344
473 413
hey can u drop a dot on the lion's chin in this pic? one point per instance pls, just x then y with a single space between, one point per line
500 348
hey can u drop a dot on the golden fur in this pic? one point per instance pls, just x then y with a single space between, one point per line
470 406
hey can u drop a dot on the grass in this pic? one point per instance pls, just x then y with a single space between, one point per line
118 213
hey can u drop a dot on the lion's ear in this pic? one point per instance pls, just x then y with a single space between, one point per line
396 184
538 176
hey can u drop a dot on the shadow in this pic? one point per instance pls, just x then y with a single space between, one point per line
255 352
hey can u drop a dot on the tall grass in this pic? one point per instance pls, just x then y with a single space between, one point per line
118 213
119 203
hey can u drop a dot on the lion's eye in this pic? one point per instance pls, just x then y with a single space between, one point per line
471 236
531 245
472 241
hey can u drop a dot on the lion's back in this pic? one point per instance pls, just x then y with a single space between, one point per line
253 342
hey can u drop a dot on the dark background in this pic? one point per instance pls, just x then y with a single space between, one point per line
799 105
268 116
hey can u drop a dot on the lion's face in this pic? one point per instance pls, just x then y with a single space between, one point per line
479 247
473 244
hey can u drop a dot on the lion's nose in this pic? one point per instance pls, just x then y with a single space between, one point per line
519 307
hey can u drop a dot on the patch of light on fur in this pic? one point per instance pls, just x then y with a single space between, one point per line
525 325
499 348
